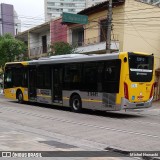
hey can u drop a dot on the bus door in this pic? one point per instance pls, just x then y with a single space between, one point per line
32 84
57 84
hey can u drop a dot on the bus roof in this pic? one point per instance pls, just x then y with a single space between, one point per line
25 63
73 58
69 58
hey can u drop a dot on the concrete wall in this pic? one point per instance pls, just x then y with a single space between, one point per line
93 28
141 28
35 43
34 40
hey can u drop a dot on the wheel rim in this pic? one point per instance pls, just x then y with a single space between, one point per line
76 104
20 97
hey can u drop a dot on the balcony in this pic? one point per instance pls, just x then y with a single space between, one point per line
94 45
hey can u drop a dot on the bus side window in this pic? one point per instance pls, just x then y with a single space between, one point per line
8 78
100 76
67 74
111 76
43 77
110 73
24 79
40 78
76 78
72 76
17 77
90 76
76 73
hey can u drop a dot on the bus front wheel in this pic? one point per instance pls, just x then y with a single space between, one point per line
76 103
20 97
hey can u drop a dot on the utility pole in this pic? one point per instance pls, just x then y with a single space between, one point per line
109 27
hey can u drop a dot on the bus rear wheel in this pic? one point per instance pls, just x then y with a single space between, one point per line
20 97
76 103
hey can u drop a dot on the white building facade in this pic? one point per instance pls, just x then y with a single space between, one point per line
55 8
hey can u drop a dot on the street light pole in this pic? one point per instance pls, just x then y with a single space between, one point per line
109 27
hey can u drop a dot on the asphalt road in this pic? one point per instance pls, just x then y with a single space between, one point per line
37 127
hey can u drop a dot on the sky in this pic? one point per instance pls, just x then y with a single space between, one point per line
30 12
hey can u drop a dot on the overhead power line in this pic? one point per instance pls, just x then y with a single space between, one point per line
22 16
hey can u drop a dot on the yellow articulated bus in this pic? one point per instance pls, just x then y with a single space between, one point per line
110 82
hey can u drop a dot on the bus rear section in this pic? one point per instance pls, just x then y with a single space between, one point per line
139 83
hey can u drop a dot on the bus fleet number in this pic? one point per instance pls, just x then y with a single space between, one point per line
95 94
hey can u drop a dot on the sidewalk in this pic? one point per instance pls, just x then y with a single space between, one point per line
156 103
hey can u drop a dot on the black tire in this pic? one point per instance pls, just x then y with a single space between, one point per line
20 97
76 103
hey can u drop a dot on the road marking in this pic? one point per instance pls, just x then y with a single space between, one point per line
90 125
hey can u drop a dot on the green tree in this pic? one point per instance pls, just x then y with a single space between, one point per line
11 49
60 48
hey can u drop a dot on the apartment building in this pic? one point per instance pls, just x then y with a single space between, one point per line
54 8
9 22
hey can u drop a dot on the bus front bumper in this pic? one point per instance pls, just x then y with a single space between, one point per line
126 104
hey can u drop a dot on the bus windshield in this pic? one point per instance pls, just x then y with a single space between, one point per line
140 67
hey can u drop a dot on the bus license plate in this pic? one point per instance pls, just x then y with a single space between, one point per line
141 104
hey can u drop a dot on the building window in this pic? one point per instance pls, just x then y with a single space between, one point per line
103 30
78 36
